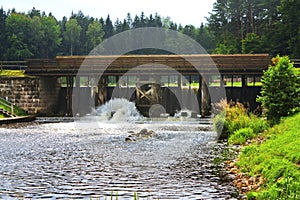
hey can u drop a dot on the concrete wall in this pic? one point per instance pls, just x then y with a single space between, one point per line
34 95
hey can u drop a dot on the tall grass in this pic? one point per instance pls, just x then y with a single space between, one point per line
237 124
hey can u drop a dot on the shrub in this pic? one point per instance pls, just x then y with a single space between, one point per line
280 93
236 117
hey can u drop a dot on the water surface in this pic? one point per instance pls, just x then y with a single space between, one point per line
60 161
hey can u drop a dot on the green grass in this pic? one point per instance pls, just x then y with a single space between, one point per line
14 73
277 160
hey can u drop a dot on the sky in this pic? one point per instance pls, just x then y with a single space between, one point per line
182 12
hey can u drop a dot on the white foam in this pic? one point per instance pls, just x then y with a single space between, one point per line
118 110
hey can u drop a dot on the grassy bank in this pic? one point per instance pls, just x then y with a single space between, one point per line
270 156
277 160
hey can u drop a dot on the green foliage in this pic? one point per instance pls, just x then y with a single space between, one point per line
225 49
18 28
94 35
260 26
277 160
232 27
280 93
252 44
72 34
237 124
241 136
290 26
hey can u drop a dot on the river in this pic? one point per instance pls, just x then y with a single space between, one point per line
61 161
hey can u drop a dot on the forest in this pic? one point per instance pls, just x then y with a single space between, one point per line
233 26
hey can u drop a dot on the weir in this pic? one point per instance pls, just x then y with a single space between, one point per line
171 81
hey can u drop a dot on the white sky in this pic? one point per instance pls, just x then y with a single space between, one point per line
181 11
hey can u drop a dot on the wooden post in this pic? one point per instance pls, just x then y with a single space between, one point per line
179 92
102 90
200 94
205 108
70 82
244 81
222 81
190 94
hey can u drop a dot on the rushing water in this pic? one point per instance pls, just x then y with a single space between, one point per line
62 161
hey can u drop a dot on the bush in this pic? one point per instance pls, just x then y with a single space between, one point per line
280 93
236 117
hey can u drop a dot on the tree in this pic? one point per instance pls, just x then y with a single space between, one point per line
190 31
51 37
3 39
252 44
291 25
37 38
232 20
108 28
225 49
136 22
83 22
72 34
280 93
118 26
206 38
19 33
94 35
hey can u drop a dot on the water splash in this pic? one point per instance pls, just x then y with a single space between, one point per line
187 113
118 110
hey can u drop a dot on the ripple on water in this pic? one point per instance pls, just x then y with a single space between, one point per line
53 161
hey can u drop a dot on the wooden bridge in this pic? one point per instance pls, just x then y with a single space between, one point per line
194 68
242 64
165 80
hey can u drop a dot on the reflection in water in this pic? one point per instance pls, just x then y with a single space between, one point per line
55 161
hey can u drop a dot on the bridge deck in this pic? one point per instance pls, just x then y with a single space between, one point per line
117 65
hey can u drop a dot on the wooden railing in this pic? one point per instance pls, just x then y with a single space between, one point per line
13 65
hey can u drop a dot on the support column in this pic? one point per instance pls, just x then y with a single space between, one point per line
70 83
102 91
205 107
244 81
199 94
179 92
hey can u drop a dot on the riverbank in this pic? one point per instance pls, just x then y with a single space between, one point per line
268 166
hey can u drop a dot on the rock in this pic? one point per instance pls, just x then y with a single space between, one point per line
143 134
